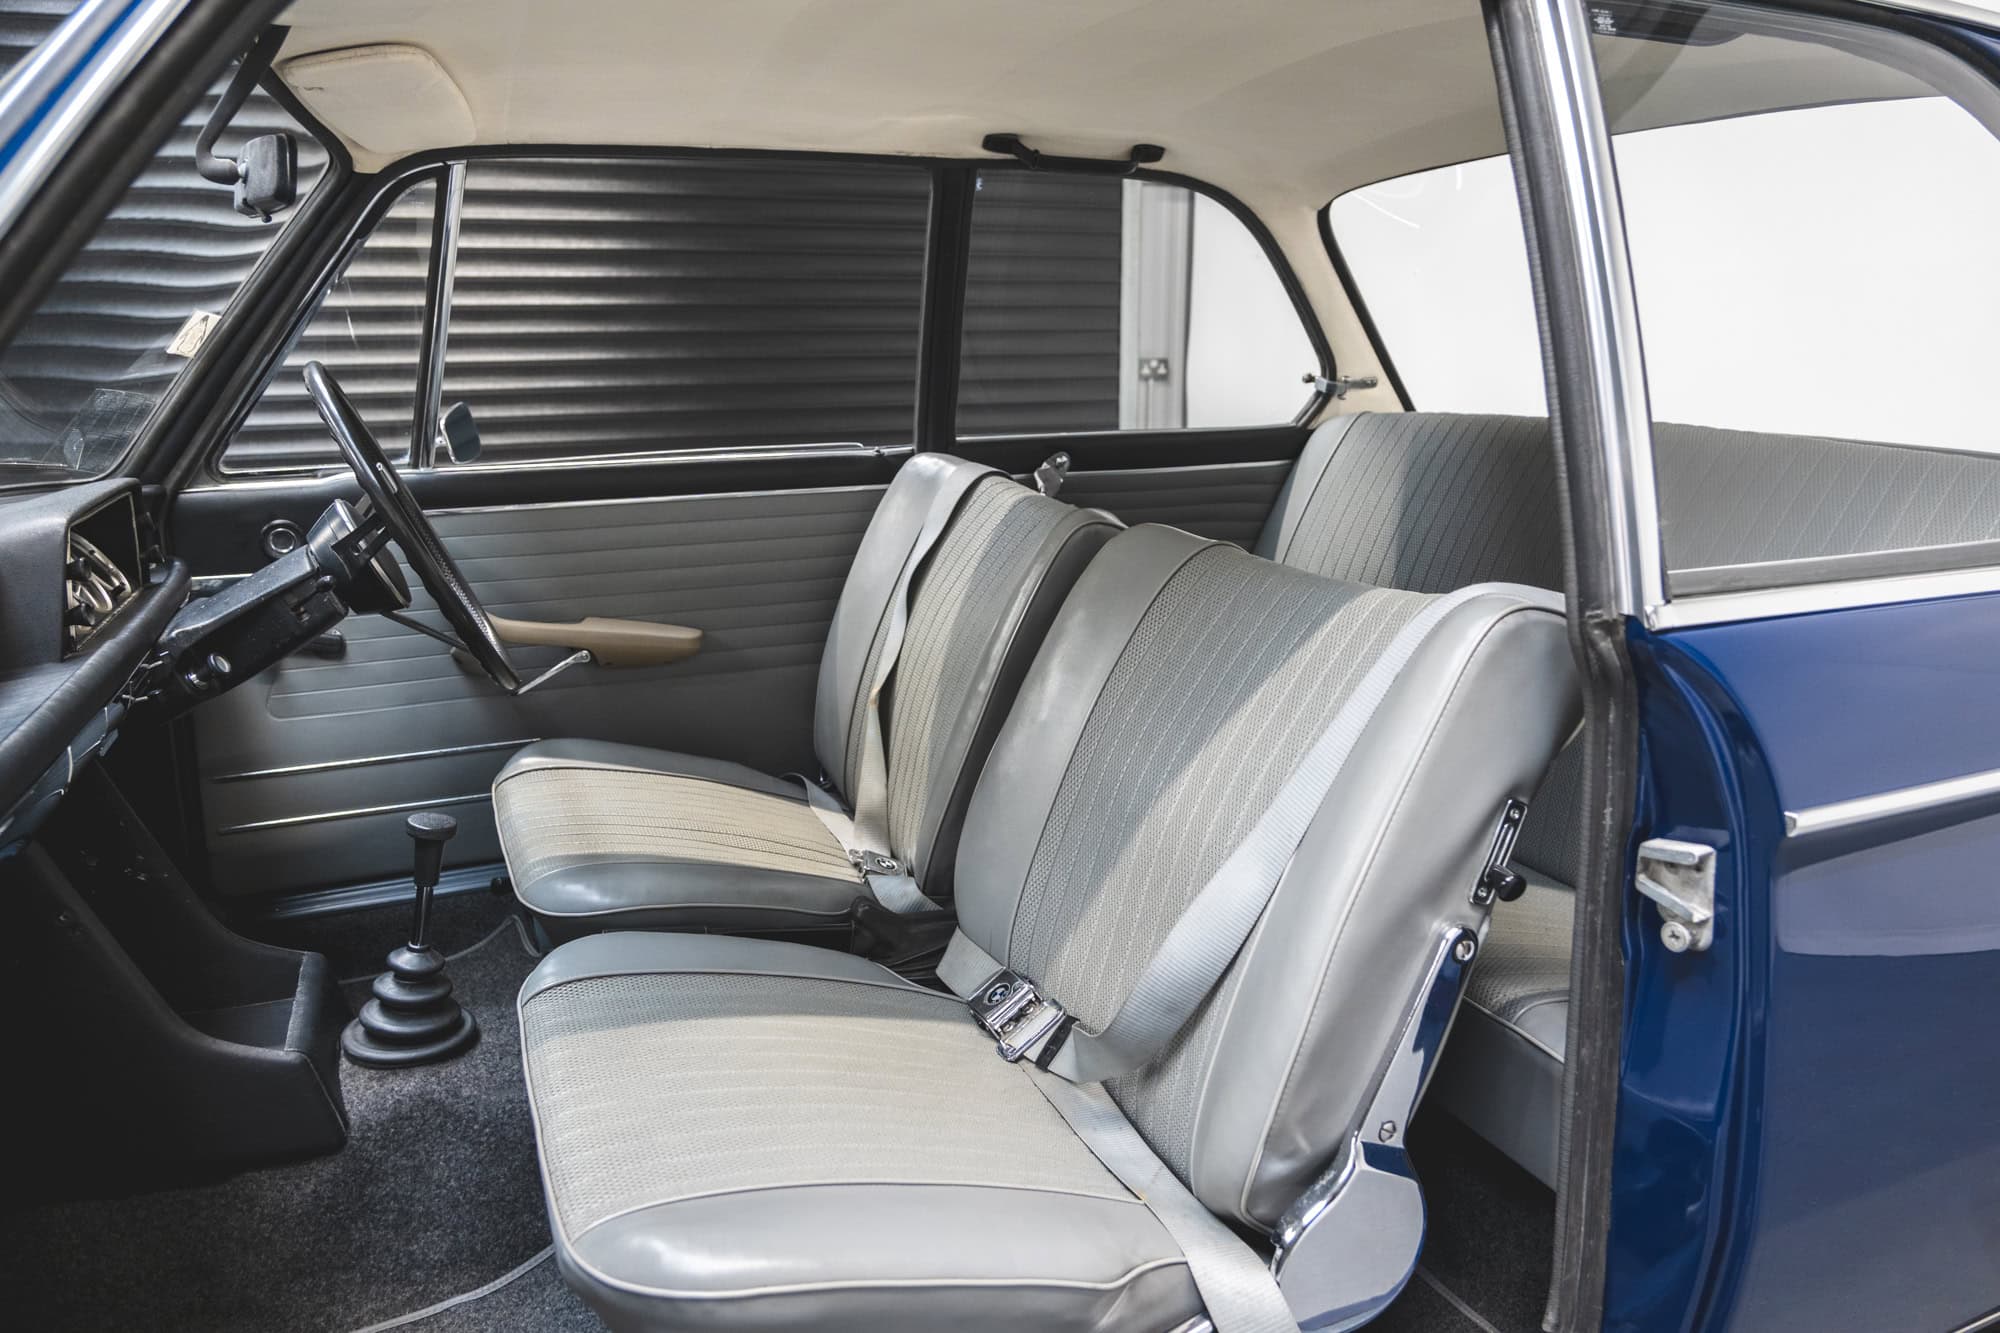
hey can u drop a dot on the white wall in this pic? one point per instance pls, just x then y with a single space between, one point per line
1832 271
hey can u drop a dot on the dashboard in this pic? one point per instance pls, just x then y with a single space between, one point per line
82 605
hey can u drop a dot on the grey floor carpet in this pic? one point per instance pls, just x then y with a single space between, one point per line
435 1194
534 1301
1488 1238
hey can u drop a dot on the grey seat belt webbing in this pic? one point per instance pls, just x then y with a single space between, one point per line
871 782
1212 929
896 891
1235 1283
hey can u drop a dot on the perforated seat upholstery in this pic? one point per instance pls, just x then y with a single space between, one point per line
600 835
749 1134
1432 501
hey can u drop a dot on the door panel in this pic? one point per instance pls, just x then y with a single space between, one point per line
758 573
1814 1094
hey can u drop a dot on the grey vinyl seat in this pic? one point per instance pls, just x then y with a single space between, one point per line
1432 501
599 835
755 1134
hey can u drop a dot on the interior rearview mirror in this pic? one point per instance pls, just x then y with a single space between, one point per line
268 176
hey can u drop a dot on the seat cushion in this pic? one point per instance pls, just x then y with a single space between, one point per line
604 835
744 1133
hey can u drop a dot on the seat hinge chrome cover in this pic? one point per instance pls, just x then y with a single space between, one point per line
1680 878
1496 879
1016 1015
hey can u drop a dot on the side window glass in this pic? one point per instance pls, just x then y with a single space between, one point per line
1810 209
1102 304
626 306
369 331
1440 261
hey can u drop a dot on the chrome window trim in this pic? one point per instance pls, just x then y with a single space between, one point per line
1972 15
282 478
448 212
1807 598
82 63
1560 31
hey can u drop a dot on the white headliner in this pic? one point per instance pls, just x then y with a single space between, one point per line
1282 103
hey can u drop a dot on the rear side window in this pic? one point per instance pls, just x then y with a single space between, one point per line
1097 304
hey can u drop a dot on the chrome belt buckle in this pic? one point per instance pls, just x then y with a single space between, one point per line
1014 1013
874 863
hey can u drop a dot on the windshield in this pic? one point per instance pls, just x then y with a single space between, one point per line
85 370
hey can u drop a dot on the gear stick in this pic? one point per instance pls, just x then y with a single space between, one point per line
412 1018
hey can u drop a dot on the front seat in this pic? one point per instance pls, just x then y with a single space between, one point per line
961 566
1284 786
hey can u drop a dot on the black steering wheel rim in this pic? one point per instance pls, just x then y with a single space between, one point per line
408 527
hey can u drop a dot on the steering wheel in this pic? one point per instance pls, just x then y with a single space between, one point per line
408 528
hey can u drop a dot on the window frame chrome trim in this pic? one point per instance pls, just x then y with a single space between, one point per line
80 65
1808 598
441 282
1561 35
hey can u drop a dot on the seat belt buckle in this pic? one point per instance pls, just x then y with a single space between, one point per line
1015 1014
875 863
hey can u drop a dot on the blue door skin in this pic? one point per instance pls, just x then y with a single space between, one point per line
1809 1120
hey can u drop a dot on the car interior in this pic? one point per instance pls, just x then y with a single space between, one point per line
804 665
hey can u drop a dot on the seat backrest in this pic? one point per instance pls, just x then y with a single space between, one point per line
1178 688
977 611
1432 501
1428 501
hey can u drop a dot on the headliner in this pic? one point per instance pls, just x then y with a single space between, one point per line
1282 103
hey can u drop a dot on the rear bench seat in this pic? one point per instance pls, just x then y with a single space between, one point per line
1433 501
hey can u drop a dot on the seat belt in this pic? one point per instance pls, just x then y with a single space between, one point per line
888 879
1238 1289
864 835
871 782
1211 930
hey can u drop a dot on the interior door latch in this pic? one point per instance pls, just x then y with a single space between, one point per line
1680 878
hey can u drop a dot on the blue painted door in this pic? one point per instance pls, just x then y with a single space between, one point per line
1809 1130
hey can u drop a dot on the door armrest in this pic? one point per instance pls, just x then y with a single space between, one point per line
612 643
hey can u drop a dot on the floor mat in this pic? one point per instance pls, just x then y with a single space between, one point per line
436 1193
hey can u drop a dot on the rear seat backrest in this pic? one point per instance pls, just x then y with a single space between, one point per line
1180 686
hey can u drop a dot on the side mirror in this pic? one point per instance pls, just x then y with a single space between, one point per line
458 435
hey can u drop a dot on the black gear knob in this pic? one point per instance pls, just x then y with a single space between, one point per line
430 830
